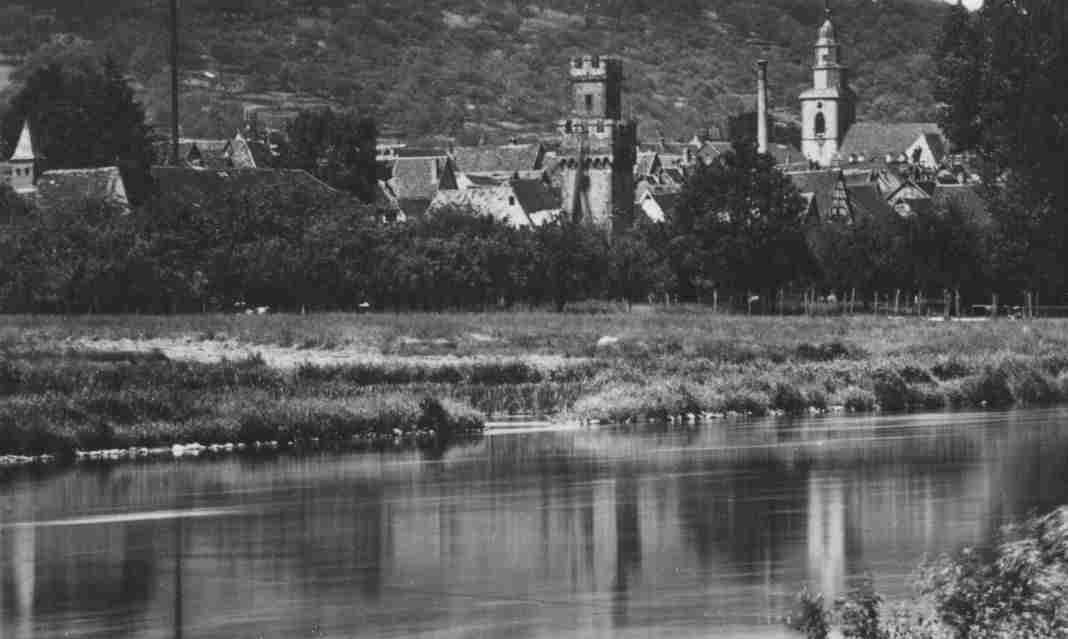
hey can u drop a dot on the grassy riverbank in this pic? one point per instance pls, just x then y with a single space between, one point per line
69 383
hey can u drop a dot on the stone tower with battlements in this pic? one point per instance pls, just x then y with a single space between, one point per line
598 147
828 109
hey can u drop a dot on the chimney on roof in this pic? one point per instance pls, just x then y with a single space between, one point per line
762 106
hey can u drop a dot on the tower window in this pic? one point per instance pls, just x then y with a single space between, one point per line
821 125
589 103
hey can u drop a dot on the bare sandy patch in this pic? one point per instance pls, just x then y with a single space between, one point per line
284 357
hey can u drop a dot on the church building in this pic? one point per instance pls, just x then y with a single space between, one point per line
830 134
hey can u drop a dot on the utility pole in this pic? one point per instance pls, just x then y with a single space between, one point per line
174 82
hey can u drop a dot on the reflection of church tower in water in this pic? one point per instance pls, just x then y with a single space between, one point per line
598 148
828 108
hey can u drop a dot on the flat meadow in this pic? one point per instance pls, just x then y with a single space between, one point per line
70 384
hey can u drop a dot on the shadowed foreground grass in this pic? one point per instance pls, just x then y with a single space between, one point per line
63 384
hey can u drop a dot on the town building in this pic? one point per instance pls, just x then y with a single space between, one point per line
598 147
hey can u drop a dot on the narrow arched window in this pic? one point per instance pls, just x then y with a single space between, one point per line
917 155
821 125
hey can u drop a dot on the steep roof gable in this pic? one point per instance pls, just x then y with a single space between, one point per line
826 188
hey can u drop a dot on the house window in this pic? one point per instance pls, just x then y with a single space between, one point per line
511 201
589 103
917 155
821 125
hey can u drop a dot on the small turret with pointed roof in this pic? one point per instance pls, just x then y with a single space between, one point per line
20 168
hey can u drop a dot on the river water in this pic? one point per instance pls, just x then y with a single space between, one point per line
610 532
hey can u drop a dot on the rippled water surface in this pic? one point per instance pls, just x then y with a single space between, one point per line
612 532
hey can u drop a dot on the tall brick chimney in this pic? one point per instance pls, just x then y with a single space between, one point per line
762 106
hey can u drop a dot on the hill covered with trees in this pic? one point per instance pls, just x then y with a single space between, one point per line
491 68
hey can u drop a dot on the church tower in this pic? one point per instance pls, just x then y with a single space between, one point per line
828 108
19 170
598 148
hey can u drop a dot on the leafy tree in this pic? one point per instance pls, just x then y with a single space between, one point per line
1000 77
738 226
84 116
338 148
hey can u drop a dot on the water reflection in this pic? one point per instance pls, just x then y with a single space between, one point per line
610 532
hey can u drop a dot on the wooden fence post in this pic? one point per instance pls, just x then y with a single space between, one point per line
715 300
897 301
956 301
875 304
994 306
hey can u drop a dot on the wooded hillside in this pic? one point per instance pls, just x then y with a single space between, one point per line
493 67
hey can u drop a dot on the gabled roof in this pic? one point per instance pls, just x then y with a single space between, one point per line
967 198
507 158
24 147
937 144
243 153
73 187
418 178
875 140
820 186
665 201
866 202
712 150
203 187
535 195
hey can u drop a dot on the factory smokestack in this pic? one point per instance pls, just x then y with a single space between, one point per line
762 106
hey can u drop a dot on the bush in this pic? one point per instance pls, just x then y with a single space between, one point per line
950 369
891 392
810 616
787 398
988 388
856 400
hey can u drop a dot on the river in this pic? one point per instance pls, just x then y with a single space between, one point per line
605 532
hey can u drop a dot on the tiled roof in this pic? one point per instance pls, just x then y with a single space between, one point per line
72 187
507 158
820 185
535 195
965 196
206 186
875 140
866 202
418 178
513 203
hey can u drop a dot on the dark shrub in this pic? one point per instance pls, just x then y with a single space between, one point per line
915 375
891 392
950 369
990 387
787 398
826 352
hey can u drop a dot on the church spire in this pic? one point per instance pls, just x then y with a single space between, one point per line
24 149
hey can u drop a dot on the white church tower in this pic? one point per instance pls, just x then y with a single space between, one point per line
828 109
